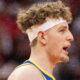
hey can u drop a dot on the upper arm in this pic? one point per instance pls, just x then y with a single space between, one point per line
26 73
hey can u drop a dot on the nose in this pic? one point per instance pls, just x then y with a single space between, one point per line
70 36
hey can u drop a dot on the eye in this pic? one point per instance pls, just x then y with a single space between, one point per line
62 30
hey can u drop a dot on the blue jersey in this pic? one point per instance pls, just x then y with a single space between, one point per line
45 74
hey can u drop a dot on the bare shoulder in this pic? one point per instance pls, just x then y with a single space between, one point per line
27 72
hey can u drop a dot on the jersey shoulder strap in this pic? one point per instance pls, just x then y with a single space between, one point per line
45 74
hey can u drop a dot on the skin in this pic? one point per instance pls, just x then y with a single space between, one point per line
50 46
59 37
47 52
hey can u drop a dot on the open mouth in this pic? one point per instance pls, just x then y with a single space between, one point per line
66 49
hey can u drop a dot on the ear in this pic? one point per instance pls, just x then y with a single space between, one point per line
42 37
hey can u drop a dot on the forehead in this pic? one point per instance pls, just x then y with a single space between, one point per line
61 25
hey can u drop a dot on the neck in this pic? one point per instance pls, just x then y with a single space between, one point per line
40 57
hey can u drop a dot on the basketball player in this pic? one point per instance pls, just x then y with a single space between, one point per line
47 27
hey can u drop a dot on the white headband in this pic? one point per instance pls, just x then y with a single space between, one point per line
50 22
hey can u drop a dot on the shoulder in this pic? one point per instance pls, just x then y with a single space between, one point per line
27 72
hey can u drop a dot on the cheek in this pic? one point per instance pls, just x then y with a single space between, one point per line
56 41
55 44
59 41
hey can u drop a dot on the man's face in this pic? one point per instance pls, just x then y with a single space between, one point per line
59 38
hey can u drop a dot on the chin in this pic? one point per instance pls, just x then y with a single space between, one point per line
64 59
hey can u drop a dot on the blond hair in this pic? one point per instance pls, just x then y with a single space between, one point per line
38 13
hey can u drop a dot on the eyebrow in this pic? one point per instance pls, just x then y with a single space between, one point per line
63 27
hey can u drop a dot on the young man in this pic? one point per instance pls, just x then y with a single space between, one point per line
47 27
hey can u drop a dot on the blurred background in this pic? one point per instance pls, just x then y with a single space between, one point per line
14 45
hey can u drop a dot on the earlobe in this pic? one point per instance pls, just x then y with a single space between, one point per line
42 38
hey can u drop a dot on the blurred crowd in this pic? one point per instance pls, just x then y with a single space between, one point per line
15 48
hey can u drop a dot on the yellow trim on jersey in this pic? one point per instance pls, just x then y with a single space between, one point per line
37 67
42 70
30 64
